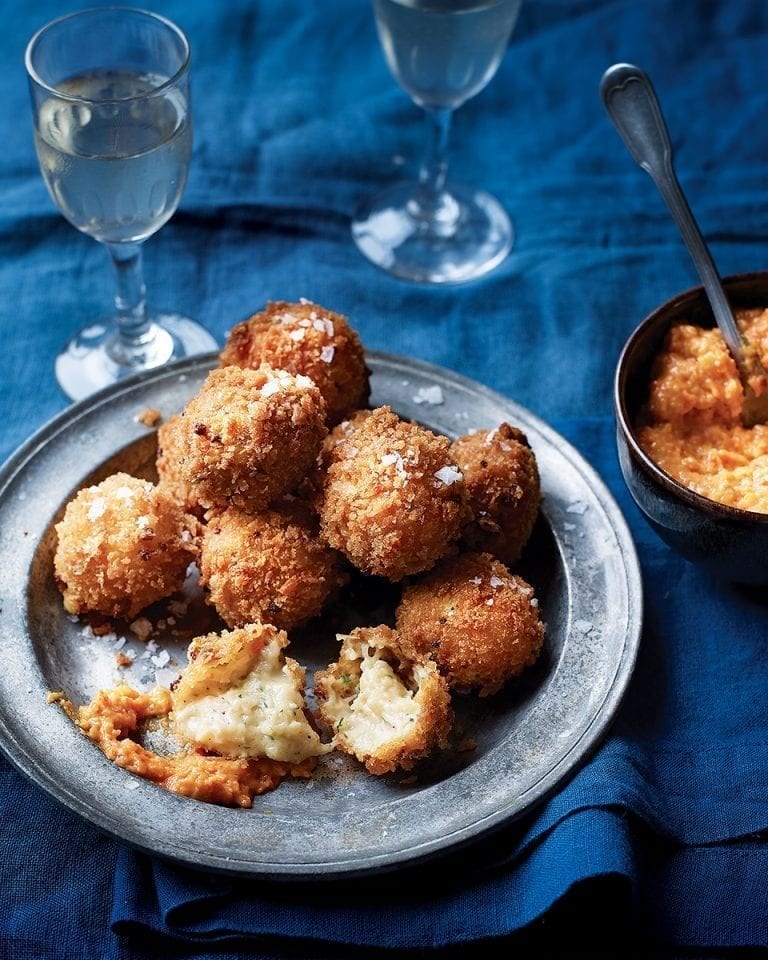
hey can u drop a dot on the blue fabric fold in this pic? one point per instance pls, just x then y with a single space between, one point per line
297 120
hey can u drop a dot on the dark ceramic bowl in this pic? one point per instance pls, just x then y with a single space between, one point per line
729 542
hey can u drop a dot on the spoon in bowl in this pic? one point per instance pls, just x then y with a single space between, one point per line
629 98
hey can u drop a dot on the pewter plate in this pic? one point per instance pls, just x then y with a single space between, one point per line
529 737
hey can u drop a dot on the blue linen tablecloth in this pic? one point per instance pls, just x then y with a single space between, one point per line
660 838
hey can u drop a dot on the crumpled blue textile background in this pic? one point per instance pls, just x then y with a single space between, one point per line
661 837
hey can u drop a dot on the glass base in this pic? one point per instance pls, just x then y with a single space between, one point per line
469 234
96 357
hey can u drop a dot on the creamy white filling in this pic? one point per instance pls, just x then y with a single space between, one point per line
383 710
262 716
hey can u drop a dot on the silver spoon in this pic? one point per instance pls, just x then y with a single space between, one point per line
629 98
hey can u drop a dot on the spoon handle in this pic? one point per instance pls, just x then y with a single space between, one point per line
631 103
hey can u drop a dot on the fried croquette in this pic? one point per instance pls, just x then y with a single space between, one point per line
304 338
249 436
241 697
170 451
502 479
122 545
391 500
386 702
479 622
269 566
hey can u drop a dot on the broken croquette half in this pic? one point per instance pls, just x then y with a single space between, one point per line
386 702
240 696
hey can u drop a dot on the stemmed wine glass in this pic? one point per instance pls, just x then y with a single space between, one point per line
442 52
113 134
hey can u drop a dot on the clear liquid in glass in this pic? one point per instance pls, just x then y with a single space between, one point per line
116 169
442 52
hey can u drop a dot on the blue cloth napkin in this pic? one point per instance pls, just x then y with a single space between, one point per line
297 120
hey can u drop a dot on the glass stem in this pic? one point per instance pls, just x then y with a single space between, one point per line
133 325
433 204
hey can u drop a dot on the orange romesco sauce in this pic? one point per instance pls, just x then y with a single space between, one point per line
695 402
114 714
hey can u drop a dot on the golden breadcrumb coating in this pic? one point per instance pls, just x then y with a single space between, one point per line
113 715
241 697
392 500
170 451
308 339
479 622
249 436
386 702
122 545
502 479
269 566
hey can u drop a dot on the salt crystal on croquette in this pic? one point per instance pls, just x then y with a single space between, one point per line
386 702
305 338
249 436
121 546
477 620
270 566
502 480
383 501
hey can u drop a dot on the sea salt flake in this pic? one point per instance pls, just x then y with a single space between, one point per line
287 318
304 301
578 506
119 643
305 324
476 580
388 459
534 602
97 509
326 354
303 382
489 602
297 334
186 536
490 438
433 396
161 659
125 493
143 522
270 387
496 581
152 646
449 475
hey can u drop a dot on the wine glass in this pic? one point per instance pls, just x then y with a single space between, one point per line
113 134
442 52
